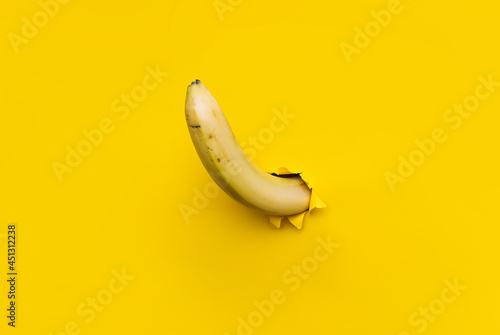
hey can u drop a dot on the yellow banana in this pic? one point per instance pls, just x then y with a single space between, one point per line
229 166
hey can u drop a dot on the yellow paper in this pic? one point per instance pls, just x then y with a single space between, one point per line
298 219
292 99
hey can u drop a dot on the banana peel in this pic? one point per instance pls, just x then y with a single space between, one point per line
282 194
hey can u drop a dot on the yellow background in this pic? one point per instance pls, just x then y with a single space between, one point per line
119 209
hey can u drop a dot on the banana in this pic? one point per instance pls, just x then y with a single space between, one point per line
229 166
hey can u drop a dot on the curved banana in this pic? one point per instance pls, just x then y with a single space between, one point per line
229 166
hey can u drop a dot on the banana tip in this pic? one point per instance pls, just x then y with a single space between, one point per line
197 81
